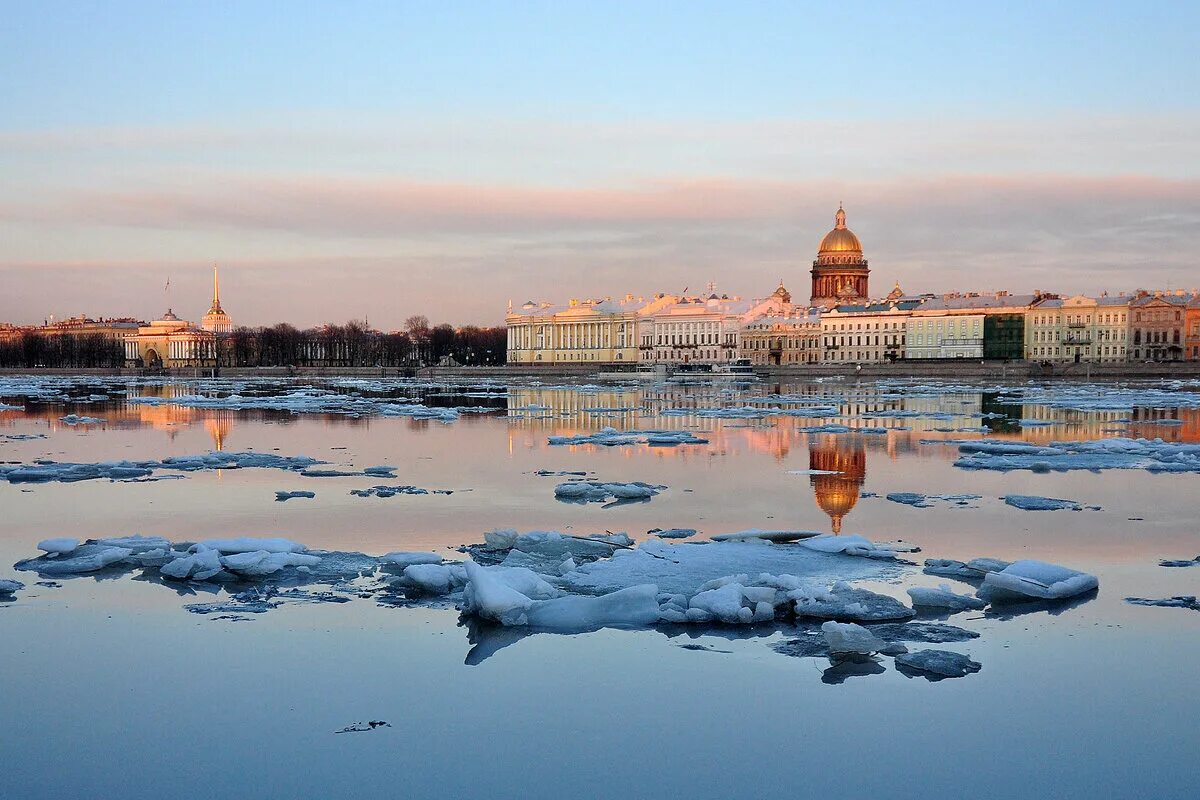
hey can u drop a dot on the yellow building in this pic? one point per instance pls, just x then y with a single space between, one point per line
588 331
169 343
1078 328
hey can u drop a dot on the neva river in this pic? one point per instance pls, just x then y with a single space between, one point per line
112 688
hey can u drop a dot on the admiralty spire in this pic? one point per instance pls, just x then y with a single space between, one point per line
839 274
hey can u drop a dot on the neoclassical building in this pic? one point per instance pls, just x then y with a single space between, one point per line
840 273
171 342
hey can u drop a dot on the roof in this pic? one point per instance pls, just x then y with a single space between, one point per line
982 301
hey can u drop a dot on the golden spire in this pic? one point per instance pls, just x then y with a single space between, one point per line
216 303
840 217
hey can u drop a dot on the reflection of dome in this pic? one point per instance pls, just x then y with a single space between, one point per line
841 239
837 494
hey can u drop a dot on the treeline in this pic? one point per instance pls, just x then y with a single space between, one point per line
30 350
354 344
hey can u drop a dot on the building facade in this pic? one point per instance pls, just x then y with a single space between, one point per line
866 333
1191 339
170 343
1156 326
777 341
590 331
1078 328
840 273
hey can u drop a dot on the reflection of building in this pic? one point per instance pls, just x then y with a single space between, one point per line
839 274
216 320
837 493
170 342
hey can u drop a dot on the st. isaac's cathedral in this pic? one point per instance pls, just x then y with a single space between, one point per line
839 275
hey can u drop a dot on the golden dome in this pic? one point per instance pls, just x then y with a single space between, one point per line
841 239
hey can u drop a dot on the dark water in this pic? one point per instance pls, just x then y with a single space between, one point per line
110 689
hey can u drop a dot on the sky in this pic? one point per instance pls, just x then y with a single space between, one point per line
377 160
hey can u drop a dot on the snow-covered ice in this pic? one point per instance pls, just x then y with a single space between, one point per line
1032 502
1027 580
58 546
974 569
604 492
10 587
918 500
850 639
943 597
1179 601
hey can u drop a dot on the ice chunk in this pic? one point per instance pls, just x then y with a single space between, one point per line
1032 502
137 543
1181 562
58 546
86 558
733 603
435 578
1034 580
485 595
849 639
943 597
601 492
630 607
673 533
281 496
406 558
248 544
261 562
9 587
936 664
199 566
770 536
974 569
72 419
1179 601
851 545
918 500
844 602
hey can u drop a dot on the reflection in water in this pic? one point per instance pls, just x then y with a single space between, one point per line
847 458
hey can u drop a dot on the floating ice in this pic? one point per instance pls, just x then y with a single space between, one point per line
943 597
261 562
1181 562
200 565
249 544
1034 580
1179 601
974 569
405 558
600 492
58 546
631 607
674 533
1153 455
380 471
611 437
46 471
1032 502
392 491
813 472
844 602
85 558
281 496
936 664
850 639
851 545
9 587
918 500
72 419
769 536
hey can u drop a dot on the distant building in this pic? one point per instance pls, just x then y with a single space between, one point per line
1157 324
871 332
216 320
704 330
972 325
839 273
1079 328
590 331
780 340
1192 331
170 342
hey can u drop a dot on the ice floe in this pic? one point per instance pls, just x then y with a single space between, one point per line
673 533
604 492
1027 580
1153 455
943 597
611 437
974 569
44 471
1179 601
280 496
1032 502
392 491
1180 562
72 419
58 546
10 587
918 500
936 664
850 639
